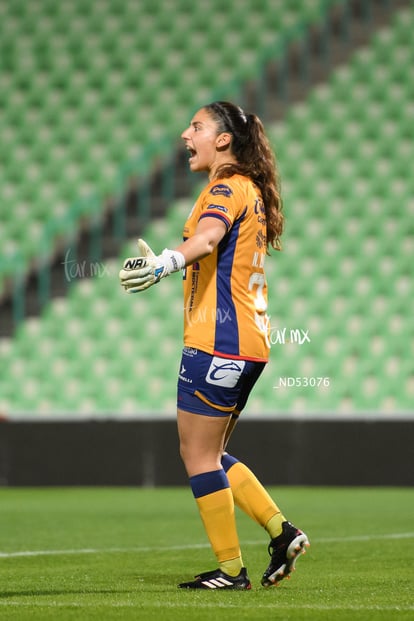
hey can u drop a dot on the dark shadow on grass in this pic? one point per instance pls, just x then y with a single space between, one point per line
35 593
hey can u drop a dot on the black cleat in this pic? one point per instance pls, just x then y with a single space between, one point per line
284 550
217 579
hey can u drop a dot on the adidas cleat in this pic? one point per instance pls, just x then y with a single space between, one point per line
217 579
284 550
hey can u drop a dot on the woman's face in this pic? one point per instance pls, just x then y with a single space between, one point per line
204 143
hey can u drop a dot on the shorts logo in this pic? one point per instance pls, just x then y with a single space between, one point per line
183 370
224 372
221 189
190 351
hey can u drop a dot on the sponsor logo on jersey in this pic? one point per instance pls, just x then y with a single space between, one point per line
259 207
260 240
260 211
223 372
218 208
221 189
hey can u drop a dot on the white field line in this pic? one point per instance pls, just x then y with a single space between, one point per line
195 546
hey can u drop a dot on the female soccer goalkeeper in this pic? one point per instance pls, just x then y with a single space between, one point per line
226 344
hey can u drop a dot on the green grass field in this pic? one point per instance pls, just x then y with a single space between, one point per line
119 553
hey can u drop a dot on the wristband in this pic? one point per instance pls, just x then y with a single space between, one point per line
173 260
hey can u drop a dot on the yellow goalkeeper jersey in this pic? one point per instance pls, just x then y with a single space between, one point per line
225 294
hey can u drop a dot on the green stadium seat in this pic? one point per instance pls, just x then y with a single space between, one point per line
344 274
77 64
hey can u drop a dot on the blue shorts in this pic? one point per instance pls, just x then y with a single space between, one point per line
215 386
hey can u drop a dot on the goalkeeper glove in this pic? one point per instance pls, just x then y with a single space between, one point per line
139 273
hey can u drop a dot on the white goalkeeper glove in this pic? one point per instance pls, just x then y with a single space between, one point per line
139 273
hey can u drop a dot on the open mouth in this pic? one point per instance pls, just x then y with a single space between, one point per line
192 152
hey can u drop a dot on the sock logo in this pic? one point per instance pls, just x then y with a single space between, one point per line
223 372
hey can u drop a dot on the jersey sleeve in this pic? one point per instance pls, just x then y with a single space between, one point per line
222 200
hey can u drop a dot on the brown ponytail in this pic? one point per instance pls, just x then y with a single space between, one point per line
255 159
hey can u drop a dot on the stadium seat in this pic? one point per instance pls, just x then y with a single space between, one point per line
344 275
82 73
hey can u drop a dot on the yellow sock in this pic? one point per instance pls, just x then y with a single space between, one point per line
274 525
216 506
250 495
232 567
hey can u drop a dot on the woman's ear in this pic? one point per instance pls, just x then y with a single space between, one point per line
223 140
